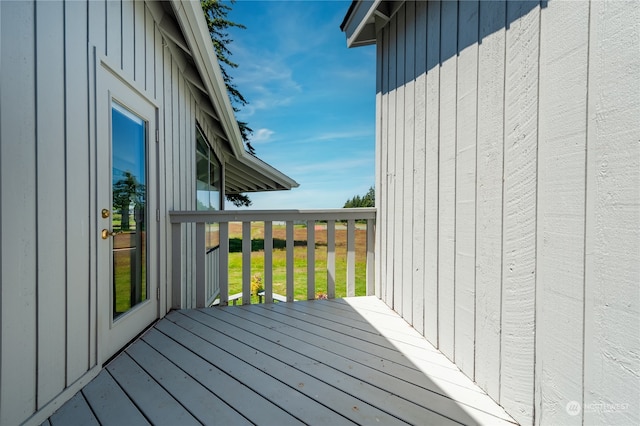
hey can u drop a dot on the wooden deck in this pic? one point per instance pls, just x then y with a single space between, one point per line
320 362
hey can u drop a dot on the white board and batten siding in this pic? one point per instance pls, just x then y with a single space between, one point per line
48 204
525 240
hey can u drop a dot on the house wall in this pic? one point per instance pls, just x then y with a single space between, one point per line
48 207
509 197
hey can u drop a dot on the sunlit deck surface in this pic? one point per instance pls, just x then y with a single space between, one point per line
323 362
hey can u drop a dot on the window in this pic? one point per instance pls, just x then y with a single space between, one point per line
208 175
208 186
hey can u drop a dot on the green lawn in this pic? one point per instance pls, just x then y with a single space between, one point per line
300 260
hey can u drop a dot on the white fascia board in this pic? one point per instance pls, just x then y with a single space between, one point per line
191 18
360 17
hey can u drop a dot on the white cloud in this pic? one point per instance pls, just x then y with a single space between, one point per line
262 135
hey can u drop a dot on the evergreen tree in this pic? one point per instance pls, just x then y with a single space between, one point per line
215 12
368 200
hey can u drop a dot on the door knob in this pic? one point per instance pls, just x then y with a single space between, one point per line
106 234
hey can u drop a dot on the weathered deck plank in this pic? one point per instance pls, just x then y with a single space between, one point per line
154 402
110 404
343 361
75 412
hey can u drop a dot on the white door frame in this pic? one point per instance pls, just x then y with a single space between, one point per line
113 335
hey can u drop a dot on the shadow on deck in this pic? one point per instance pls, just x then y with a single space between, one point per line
332 362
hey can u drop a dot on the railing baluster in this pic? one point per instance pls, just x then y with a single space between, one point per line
268 262
311 259
351 258
224 263
331 259
290 243
176 261
246 263
370 257
200 264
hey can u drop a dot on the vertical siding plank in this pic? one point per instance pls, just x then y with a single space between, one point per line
519 226
383 195
465 232
173 137
51 200
97 17
152 54
157 82
77 179
561 206
408 168
398 147
190 143
612 298
489 195
18 220
380 182
391 165
419 168
168 151
128 38
447 207
432 172
114 31
140 35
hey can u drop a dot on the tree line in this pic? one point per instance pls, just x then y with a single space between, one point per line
368 200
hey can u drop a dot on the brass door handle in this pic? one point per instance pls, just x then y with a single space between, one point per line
106 234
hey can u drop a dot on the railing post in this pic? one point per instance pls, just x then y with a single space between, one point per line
246 263
370 257
311 259
351 258
290 247
224 263
200 264
268 262
176 271
331 259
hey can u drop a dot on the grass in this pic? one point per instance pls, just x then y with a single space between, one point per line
300 260
123 262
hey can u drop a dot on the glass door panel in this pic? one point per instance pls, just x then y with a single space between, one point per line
129 207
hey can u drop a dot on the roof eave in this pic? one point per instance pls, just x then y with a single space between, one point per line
194 27
365 18
359 23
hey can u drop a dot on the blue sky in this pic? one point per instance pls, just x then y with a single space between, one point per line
311 100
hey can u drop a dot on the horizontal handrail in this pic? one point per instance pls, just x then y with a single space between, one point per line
270 215
289 217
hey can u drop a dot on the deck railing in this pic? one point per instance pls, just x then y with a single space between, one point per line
211 277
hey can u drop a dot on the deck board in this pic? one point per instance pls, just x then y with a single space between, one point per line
75 412
110 404
156 404
333 362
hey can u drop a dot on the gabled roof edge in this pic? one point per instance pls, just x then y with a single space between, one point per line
191 19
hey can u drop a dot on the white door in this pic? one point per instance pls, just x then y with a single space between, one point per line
127 202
